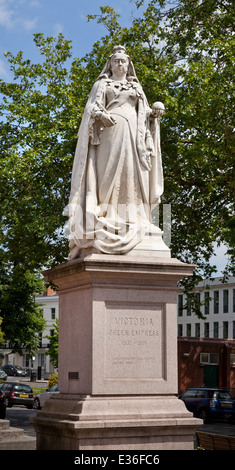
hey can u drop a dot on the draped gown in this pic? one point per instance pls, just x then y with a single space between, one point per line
114 189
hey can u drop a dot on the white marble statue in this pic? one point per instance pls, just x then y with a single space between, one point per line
117 172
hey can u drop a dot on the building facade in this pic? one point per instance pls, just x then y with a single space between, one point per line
206 347
206 362
218 309
40 363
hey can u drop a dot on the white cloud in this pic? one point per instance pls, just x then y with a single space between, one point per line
6 15
35 3
10 18
29 25
3 70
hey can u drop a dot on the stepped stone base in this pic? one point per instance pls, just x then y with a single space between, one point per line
70 422
117 357
14 438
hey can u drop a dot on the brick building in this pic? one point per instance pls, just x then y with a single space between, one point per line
206 362
206 347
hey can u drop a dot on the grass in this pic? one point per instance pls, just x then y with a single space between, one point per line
37 390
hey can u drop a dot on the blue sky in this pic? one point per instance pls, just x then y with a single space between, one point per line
19 19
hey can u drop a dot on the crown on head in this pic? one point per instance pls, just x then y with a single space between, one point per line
119 49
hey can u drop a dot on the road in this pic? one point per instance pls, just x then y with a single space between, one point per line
19 418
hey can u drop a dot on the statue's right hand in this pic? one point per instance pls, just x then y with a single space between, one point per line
107 120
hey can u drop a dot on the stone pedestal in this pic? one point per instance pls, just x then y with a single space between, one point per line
12 438
117 357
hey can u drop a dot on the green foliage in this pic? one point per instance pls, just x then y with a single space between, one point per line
1 333
53 348
38 135
183 56
37 143
53 380
109 18
22 318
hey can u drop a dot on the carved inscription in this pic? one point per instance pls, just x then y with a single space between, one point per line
133 341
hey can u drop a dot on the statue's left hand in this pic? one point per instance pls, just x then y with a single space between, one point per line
158 109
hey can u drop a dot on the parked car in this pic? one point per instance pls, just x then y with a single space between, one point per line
40 399
14 370
3 375
17 394
2 405
207 403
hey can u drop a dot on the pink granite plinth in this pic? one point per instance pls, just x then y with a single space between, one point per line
117 357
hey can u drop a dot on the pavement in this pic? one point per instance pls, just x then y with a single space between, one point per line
222 428
38 383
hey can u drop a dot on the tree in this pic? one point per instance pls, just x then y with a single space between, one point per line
1 333
36 138
182 56
53 347
22 318
37 143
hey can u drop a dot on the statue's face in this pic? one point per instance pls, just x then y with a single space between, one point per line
119 64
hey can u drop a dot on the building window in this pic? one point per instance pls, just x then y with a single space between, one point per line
233 329
207 303
232 359
53 313
206 330
41 360
188 329
225 301
26 360
216 301
197 303
197 330
180 305
216 329
214 358
188 306
225 329
209 358
233 300
180 330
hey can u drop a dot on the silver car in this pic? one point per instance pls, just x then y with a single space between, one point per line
14 370
3 375
40 399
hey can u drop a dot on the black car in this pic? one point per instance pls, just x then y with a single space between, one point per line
2 405
207 403
17 394
14 370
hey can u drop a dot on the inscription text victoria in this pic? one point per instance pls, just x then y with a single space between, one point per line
133 342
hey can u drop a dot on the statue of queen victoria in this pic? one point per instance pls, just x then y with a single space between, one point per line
117 171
